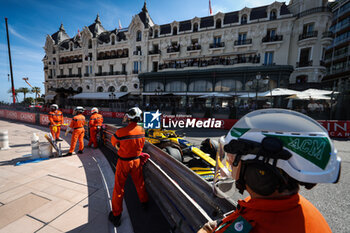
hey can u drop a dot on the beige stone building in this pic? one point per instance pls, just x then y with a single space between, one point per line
244 51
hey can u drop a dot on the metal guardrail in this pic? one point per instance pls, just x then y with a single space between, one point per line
185 199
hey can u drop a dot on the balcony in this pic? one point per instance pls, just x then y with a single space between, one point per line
137 53
312 11
154 51
243 42
308 35
110 73
173 49
135 71
327 34
86 75
194 47
112 57
304 64
274 38
214 61
71 61
217 45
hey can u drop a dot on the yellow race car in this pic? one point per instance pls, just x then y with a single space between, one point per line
201 161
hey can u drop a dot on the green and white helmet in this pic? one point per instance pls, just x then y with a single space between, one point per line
312 157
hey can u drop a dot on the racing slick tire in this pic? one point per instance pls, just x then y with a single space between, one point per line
174 152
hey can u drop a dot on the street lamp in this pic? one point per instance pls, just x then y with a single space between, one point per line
112 96
258 79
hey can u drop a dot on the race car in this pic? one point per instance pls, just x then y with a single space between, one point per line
201 161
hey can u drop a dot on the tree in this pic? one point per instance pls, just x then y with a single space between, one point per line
16 93
24 90
36 90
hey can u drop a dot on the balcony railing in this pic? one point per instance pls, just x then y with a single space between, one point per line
69 76
137 52
112 57
154 51
110 73
269 38
304 64
327 34
308 35
241 59
217 45
86 75
69 62
312 11
194 47
173 49
243 42
135 71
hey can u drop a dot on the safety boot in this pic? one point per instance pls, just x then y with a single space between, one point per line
80 151
68 154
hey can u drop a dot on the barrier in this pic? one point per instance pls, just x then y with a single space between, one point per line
4 140
26 117
186 200
338 129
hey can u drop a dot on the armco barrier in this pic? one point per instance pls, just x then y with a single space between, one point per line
186 200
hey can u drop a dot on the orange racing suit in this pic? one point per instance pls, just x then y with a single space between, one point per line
55 118
130 140
288 215
95 122
77 124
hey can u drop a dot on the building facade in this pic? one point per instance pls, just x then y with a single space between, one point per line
337 57
250 50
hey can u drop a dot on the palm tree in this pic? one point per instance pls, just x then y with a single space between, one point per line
24 90
36 90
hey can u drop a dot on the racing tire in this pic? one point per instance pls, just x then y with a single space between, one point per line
210 146
174 152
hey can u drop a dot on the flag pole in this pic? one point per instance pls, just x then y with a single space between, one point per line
8 45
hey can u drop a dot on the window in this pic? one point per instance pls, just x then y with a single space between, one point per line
113 40
154 85
218 23
304 55
124 89
244 19
90 44
138 36
90 69
123 68
301 79
100 89
79 71
175 86
111 68
242 37
155 66
268 58
200 85
71 47
195 27
111 89
271 33
86 69
228 85
308 28
156 34
174 30
217 40
100 69
70 71
273 14
61 72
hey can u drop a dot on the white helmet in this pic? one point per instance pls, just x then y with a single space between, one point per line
289 140
54 106
94 110
134 112
78 109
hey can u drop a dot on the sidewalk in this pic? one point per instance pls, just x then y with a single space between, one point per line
68 194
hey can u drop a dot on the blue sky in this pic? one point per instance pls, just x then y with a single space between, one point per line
31 20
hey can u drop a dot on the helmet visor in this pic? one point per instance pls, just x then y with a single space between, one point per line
225 172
